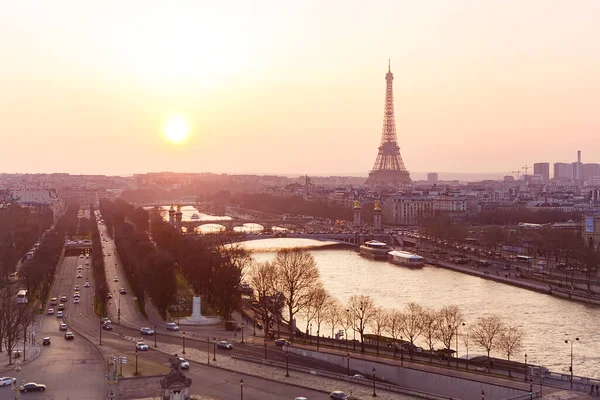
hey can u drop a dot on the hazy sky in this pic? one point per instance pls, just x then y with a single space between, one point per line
296 87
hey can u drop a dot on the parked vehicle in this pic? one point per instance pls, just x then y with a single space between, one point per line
7 381
32 387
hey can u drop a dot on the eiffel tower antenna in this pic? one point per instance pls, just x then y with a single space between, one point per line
389 169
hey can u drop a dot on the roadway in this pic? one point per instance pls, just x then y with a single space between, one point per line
62 360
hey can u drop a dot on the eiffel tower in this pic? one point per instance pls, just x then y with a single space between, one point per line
389 170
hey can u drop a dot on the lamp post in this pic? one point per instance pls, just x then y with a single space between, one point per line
526 372
287 363
242 333
571 367
100 332
531 389
254 325
214 349
155 334
136 370
208 351
183 338
265 348
401 351
482 395
348 360
374 394
310 333
467 346
242 389
17 384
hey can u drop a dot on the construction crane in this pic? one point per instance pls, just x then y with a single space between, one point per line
518 174
526 168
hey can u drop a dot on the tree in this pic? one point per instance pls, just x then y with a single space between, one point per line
486 333
412 324
228 276
510 342
346 322
429 325
12 317
334 315
315 298
449 319
379 323
363 310
262 278
296 274
394 327
161 281
322 302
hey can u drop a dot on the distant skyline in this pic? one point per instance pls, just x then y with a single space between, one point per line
297 88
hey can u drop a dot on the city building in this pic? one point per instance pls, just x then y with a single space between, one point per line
432 177
563 170
407 210
591 230
389 169
542 169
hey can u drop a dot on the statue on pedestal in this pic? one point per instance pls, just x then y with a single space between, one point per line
176 386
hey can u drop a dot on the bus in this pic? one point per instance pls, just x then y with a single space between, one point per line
524 259
22 296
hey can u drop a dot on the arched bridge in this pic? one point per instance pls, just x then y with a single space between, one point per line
229 224
343 238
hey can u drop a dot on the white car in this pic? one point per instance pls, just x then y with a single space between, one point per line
87 284
50 311
172 326
76 300
7 381
146 331
184 363
79 276
59 314
141 346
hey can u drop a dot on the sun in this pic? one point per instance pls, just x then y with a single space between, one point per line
176 130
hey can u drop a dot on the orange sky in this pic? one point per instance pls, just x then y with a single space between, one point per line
272 87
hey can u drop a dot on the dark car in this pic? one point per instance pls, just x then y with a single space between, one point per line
32 387
338 395
123 291
107 326
46 341
69 336
282 342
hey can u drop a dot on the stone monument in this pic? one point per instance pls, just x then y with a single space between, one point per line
197 318
176 386
196 309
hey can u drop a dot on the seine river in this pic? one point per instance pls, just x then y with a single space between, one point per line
547 321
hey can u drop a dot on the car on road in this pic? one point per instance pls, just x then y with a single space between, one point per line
109 296
46 341
300 398
69 336
59 314
63 327
172 326
184 363
7 381
338 395
282 342
32 387
109 254
61 306
54 301
141 346
76 287
146 331
107 326
50 311
105 320
116 279
87 263
123 291
76 300
63 298
79 275
224 344
81 256
358 376
87 284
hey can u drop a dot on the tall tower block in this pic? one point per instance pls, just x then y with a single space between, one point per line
389 169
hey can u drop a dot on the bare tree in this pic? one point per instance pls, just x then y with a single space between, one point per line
316 296
429 323
322 302
394 328
13 318
510 342
347 321
379 324
449 318
334 316
412 323
363 310
486 332
262 280
296 274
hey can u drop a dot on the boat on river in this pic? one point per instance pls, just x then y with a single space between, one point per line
195 216
375 250
405 259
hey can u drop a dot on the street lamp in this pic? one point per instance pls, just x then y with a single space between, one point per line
531 389
136 369
348 360
242 389
287 363
208 351
155 334
254 325
242 333
183 338
374 394
401 351
214 349
265 347
526 372
571 367
100 332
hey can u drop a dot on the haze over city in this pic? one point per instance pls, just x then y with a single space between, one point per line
271 87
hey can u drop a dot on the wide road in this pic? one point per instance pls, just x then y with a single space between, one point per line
69 369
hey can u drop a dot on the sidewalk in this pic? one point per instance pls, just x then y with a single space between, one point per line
31 352
308 381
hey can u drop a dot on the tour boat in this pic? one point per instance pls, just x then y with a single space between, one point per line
375 250
195 216
405 258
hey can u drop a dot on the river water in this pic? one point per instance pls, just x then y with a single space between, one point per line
547 321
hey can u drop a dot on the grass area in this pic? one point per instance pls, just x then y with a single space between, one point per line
82 237
98 306
182 284
139 308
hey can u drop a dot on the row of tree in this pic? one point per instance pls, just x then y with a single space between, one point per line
291 283
15 319
97 261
